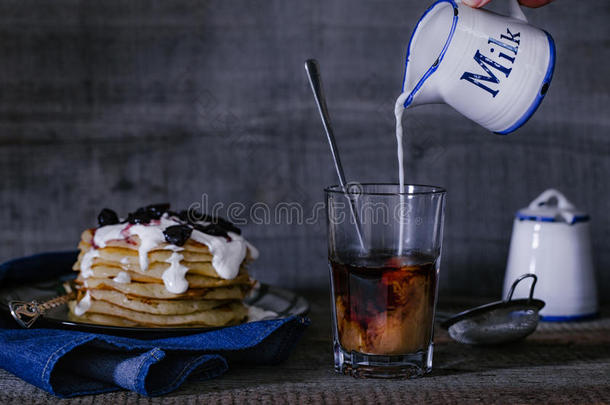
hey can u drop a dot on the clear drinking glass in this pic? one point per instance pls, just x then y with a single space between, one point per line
384 250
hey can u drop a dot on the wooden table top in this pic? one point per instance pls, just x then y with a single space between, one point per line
559 363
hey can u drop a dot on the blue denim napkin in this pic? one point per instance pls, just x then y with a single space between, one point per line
70 363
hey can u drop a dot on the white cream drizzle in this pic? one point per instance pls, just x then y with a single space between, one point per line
174 277
227 255
87 261
107 233
122 278
83 305
150 236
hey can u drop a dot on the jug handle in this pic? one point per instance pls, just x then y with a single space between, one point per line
515 10
562 202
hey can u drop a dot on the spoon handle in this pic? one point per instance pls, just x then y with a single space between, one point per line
313 73
27 312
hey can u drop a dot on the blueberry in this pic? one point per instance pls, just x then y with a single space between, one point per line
206 217
192 217
223 223
177 234
107 217
157 210
229 226
141 216
212 229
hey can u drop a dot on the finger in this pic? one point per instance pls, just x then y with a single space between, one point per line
534 3
475 3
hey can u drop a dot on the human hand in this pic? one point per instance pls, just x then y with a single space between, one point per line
527 3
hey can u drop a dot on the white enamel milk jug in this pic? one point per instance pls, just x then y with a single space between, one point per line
551 239
491 68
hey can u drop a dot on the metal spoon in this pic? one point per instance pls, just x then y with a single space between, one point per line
26 313
498 322
313 73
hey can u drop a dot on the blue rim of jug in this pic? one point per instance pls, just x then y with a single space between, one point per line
569 318
525 217
438 61
544 88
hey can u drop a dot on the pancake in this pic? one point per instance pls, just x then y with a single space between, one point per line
154 306
158 291
130 255
134 242
228 314
125 255
100 319
156 269
128 259
194 280
159 268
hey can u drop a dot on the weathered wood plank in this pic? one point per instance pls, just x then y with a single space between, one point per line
120 104
558 364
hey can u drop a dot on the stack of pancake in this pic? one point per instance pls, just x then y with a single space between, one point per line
137 279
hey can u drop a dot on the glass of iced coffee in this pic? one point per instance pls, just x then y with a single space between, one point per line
384 248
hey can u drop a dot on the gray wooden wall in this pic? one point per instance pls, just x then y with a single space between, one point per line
120 104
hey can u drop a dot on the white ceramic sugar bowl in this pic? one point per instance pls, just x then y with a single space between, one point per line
551 239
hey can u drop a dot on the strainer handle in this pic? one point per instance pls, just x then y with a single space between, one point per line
523 276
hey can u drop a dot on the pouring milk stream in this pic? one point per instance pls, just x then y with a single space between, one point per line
491 68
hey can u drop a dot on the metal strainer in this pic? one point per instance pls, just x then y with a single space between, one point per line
497 322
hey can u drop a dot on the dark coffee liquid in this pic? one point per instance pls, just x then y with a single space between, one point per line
384 304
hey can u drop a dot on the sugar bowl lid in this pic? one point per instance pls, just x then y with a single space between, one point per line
552 206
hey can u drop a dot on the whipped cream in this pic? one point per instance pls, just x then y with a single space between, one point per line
151 236
122 278
107 233
227 255
87 261
174 277
83 305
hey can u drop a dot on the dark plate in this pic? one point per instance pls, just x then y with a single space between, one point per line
283 302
